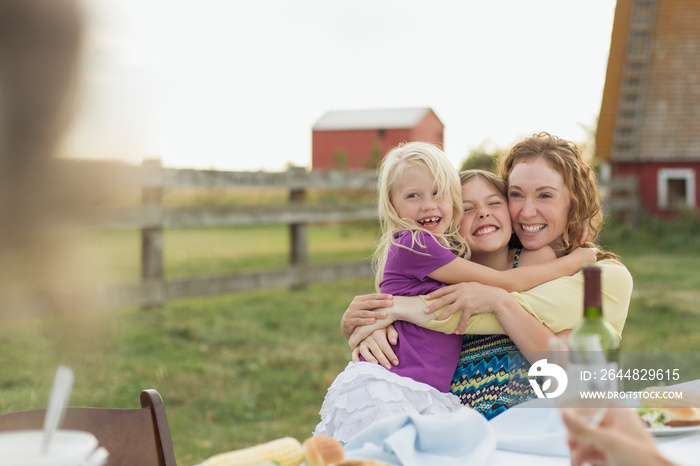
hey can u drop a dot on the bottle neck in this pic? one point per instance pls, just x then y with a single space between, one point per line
592 312
592 294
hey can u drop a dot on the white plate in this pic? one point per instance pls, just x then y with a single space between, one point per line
666 431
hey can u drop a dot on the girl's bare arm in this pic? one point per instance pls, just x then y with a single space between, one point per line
518 279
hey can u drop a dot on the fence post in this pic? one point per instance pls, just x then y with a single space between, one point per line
299 233
152 269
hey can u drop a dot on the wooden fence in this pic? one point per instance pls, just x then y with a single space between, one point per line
152 218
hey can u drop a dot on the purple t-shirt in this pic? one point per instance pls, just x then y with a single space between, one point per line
424 355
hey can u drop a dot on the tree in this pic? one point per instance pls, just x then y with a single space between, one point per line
375 158
484 157
340 160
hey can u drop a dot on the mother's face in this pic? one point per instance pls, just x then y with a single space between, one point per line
539 202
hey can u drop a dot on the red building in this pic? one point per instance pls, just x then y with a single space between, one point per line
358 139
649 124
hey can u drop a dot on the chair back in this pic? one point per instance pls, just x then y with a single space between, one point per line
133 437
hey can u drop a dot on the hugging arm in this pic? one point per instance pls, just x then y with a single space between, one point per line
491 310
556 304
525 331
519 279
364 310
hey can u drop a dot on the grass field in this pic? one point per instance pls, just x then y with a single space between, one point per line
244 368
191 252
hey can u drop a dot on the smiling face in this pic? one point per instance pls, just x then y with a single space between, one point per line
486 224
539 202
415 199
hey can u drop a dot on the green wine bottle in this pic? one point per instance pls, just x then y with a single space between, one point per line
593 321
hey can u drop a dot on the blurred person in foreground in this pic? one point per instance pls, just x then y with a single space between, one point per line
41 198
620 439
39 50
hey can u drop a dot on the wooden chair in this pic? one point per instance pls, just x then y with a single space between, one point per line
133 437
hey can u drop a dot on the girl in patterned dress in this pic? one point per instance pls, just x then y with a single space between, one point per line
420 251
492 373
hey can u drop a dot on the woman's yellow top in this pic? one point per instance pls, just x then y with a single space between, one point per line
558 304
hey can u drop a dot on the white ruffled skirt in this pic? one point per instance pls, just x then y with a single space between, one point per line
364 393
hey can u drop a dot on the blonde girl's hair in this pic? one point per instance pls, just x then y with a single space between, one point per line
434 162
579 177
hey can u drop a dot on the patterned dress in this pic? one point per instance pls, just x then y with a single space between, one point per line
491 375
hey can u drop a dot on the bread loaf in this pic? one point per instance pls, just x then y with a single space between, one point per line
322 450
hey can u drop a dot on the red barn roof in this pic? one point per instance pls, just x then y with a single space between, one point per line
383 118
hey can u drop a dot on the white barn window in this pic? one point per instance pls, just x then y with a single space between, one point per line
676 188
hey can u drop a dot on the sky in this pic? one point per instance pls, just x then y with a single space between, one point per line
238 84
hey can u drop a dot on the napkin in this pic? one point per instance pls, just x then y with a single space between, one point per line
459 438
532 427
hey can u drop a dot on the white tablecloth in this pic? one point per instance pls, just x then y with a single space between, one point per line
683 450
531 434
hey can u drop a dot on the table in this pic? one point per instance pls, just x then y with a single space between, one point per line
683 450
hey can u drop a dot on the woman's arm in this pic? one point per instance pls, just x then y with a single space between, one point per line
524 329
518 279
557 304
528 333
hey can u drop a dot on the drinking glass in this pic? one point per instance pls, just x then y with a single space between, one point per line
589 388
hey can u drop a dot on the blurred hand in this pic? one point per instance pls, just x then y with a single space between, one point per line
620 440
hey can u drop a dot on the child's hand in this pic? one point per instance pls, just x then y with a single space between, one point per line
362 332
377 348
365 310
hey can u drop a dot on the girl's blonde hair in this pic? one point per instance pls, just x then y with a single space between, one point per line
565 158
433 161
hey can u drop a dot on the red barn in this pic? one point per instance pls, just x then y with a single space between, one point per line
358 139
649 124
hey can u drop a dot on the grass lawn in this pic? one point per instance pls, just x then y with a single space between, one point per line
233 371
244 368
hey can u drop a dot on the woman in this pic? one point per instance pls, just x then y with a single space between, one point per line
553 200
